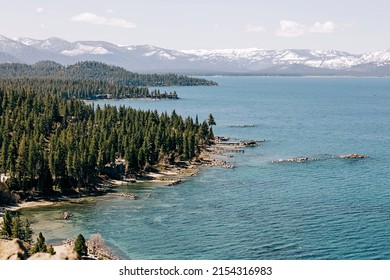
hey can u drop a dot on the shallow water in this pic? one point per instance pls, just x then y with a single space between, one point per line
327 209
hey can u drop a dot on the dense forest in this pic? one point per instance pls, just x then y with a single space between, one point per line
89 70
83 89
49 143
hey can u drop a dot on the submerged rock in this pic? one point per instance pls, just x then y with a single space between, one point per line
297 159
251 143
319 157
130 196
174 183
353 156
65 215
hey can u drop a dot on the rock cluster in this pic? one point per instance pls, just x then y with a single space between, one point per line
323 157
297 159
243 125
353 156
97 249
130 196
216 162
174 183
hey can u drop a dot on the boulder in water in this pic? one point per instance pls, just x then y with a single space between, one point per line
65 215
353 156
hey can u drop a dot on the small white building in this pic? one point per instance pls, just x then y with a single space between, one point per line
3 177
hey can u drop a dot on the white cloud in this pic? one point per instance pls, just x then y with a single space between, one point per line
326 27
40 10
99 20
289 28
254 28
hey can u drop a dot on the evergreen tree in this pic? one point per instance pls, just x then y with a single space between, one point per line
191 145
210 135
50 250
6 226
21 160
4 154
17 227
40 245
27 231
80 246
131 159
211 120
12 154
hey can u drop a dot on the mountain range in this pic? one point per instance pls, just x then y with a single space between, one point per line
147 58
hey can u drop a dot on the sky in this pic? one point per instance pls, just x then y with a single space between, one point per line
352 26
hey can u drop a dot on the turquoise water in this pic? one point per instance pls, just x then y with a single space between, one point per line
325 209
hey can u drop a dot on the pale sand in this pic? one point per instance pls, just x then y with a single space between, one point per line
30 204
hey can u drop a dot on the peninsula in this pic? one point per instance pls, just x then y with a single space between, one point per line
55 148
51 144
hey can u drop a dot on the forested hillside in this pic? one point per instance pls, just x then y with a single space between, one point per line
83 89
89 70
49 143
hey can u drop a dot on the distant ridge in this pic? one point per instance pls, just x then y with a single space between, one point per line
98 71
146 58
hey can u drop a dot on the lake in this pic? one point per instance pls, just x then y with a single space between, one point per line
330 208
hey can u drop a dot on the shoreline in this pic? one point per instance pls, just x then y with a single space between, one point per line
215 154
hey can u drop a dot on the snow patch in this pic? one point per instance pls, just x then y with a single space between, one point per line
26 41
85 49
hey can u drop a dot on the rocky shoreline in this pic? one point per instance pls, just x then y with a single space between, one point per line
218 154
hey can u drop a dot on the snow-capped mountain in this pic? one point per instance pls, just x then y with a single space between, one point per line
146 58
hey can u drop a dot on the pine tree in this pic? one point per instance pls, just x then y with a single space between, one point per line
191 145
4 155
80 246
50 250
27 231
21 160
40 245
17 229
12 154
211 120
6 226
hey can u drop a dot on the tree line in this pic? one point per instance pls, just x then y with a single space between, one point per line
90 70
84 89
48 143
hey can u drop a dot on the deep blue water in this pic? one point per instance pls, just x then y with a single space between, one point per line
326 209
